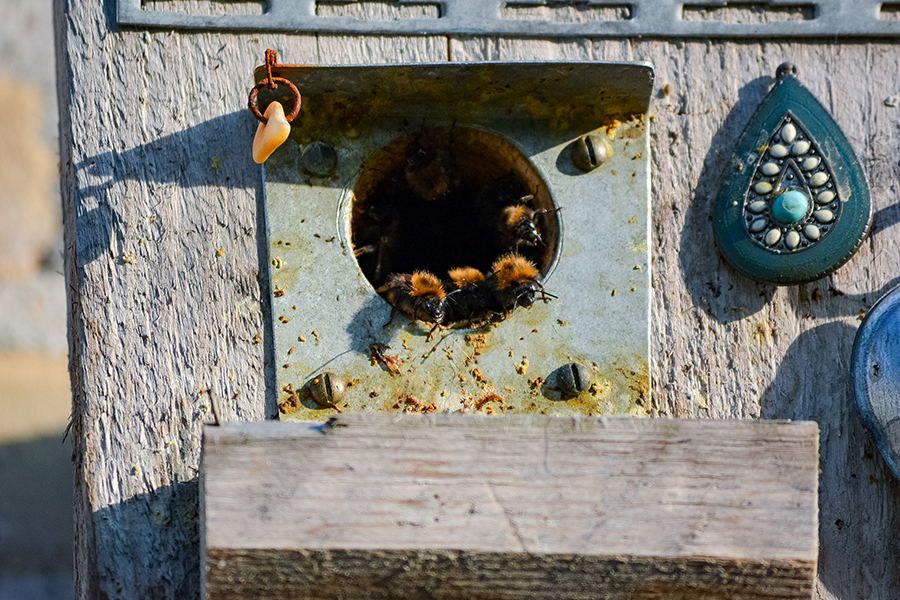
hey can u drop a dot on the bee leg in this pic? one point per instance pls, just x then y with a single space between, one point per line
393 312
365 250
379 263
431 332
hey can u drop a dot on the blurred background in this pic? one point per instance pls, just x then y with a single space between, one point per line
35 463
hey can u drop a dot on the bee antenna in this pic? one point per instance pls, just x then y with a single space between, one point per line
456 291
544 211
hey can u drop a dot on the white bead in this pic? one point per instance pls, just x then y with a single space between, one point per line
758 206
810 163
818 179
823 216
811 231
788 133
800 148
762 187
778 151
792 239
772 237
758 225
770 169
825 197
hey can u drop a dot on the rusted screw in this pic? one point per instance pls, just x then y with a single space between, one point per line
318 159
327 389
589 152
572 379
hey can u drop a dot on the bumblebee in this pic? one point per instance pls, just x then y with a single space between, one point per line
430 172
517 224
468 295
516 281
419 296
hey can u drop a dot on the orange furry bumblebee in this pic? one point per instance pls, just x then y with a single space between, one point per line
463 277
517 280
468 295
517 224
419 296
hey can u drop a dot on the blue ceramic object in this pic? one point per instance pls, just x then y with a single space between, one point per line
794 204
875 371
790 207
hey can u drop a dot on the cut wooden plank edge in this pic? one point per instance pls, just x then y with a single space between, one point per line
240 432
233 574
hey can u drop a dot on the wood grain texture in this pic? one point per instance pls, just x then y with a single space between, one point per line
669 506
155 162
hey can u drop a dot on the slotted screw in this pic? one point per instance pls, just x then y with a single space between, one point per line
573 379
327 389
589 152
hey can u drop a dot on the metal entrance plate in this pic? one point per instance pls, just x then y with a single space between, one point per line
773 19
326 313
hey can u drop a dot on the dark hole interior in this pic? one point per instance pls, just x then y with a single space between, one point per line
433 200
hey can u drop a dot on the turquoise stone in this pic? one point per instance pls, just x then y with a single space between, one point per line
790 206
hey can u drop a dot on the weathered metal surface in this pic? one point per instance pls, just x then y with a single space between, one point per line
635 18
326 314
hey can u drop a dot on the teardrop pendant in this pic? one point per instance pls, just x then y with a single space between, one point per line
793 204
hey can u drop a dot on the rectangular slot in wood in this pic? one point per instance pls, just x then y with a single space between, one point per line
207 8
377 11
749 13
566 13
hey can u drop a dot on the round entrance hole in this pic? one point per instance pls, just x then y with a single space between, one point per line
441 199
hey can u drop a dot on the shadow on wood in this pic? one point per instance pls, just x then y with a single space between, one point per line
175 532
713 285
848 455
199 156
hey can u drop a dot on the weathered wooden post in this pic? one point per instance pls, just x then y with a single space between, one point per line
167 260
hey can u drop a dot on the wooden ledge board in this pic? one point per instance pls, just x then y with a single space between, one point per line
459 506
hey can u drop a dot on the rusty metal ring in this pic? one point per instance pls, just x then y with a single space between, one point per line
274 81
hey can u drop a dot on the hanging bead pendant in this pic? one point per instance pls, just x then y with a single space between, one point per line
794 204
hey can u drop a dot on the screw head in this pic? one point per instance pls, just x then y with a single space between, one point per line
318 159
573 379
786 69
327 389
589 152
